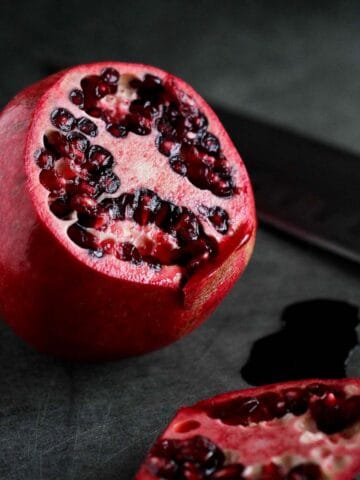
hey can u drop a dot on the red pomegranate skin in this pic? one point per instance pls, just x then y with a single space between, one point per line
308 430
58 298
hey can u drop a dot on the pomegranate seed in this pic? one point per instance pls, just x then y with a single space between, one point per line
230 472
117 130
83 203
167 146
60 207
44 159
145 204
162 467
52 181
137 124
87 126
109 182
108 246
77 98
210 143
110 76
178 166
218 218
99 158
94 112
82 237
63 119
129 253
305 471
271 471
56 143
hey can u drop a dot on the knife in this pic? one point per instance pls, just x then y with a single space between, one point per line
303 187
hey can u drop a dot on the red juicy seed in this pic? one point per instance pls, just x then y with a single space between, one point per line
145 205
63 119
109 182
102 89
60 207
44 159
210 143
335 415
117 130
98 220
162 468
137 124
77 98
108 246
110 76
129 253
51 180
84 204
186 228
167 146
94 112
305 471
125 205
82 237
230 472
178 166
271 471
191 472
87 126
57 144
152 262
99 158
219 219
296 401
317 389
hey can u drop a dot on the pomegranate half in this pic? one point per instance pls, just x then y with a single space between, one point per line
127 213
293 431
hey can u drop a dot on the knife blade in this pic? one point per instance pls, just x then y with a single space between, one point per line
302 186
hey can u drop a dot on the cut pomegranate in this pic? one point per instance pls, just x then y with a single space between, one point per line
128 216
293 431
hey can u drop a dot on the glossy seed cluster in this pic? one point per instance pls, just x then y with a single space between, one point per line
183 135
328 406
84 189
198 458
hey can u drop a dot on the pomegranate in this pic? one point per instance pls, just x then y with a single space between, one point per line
127 213
306 430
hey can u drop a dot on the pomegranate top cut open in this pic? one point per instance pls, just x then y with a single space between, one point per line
132 171
306 430
128 212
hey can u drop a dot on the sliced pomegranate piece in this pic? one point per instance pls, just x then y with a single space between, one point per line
306 430
128 214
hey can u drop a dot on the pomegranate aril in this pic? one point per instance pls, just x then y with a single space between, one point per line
151 87
99 158
130 253
83 203
51 180
153 262
296 401
162 468
44 159
186 227
167 146
178 166
82 237
97 219
232 471
108 246
145 204
87 126
210 143
218 218
271 471
305 471
56 143
77 98
94 112
117 130
137 124
62 119
60 207
110 76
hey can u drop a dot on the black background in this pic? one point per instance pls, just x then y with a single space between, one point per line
294 63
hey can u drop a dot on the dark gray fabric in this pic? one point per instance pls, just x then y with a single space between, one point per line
298 65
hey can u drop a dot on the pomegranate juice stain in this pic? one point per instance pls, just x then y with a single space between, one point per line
315 340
